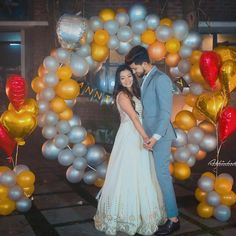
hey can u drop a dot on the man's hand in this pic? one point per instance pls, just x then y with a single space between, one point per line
150 143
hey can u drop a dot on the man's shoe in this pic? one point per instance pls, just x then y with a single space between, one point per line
168 228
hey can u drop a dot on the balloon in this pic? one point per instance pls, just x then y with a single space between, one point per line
193 40
195 135
226 176
61 141
181 171
209 174
208 143
7 144
50 151
28 191
210 67
74 121
79 67
137 12
15 193
206 183
204 210
184 66
228 199
3 169
172 59
25 178
47 94
101 37
37 84
84 51
80 163
49 131
16 90
99 53
95 23
122 18
79 150
62 55
196 75
156 51
67 114
107 14
64 72
73 175
19 168
213 198
195 57
113 42
190 99
200 155
102 170
24 204
96 155
196 89
200 195
182 154
193 148
89 140
50 64
166 21
223 185
185 120
7 207
66 157
152 21
191 161
148 37
124 48
210 104
222 213
172 45
8 178
207 126
3 192
180 29
181 139
111 27
90 177
77 134
99 182
164 33
225 53
125 34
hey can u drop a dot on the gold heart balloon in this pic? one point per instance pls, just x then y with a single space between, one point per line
30 105
210 104
225 53
19 125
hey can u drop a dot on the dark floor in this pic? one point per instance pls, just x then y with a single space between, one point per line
61 208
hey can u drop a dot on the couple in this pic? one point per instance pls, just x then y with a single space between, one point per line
138 195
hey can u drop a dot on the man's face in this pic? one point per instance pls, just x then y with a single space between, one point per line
138 70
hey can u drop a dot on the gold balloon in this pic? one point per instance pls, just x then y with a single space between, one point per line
37 84
19 125
101 37
89 140
172 45
4 169
3 192
99 182
99 53
166 21
7 206
68 89
225 53
25 179
67 114
181 171
121 10
209 174
157 51
28 191
195 57
200 195
228 199
58 105
196 75
200 155
210 104
185 120
107 14
197 114
42 71
204 210
64 72
207 127
148 37
190 99
172 59
223 185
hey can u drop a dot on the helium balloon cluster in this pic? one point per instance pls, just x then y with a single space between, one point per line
215 195
16 188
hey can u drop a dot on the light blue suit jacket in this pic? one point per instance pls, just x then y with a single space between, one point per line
156 97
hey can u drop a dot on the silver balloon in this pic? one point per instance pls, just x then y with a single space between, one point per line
50 118
96 155
181 139
73 175
139 26
137 12
77 134
70 103
124 48
66 157
222 213
113 42
111 27
180 29
94 66
182 154
208 143
122 18
74 121
195 135
79 150
50 151
206 184
47 94
50 64
191 161
8 178
80 163
102 170
50 79
63 127
175 72
226 176
193 148
213 198
62 55
185 52
61 141
24 204
19 168
78 65
163 33
89 38
43 106
136 40
15 193
184 66
187 78
40 120
193 40
84 50
90 177
152 21
70 29
95 23
49 131
196 89
125 34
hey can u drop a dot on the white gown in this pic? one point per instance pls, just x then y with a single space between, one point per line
131 199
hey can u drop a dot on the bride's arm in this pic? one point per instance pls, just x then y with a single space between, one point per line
125 104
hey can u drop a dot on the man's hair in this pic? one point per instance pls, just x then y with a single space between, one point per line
137 55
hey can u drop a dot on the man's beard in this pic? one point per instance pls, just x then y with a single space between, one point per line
141 75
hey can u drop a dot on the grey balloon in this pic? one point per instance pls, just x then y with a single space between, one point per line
50 64
49 131
124 48
92 64
195 135
78 65
19 168
50 118
136 40
111 27
113 42
61 141
95 23
191 161
43 106
184 66
24 204
90 177
163 33
122 18
222 213
47 94
70 103
50 79
139 26
62 55
193 40
181 139
80 163
63 127
187 78
84 50
185 52
213 198
180 29
193 148
74 121
152 21
89 37
73 175
96 155
206 184
66 157
175 72
196 89
208 143
77 134
102 170
137 12
8 178
79 150
182 154
125 34
15 193
50 151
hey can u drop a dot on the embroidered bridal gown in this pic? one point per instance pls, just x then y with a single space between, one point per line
131 199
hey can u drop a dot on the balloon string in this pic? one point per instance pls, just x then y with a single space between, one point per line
16 157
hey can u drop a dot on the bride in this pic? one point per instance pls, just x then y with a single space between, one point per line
131 199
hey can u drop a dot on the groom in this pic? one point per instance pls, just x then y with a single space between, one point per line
156 96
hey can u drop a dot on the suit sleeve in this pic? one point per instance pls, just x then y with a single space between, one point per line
163 88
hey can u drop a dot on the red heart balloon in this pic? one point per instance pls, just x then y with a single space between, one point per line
210 63
16 90
7 144
227 123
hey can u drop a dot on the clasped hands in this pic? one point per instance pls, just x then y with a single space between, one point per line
148 143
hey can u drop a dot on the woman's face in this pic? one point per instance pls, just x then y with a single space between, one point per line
126 79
